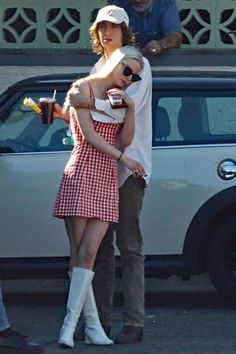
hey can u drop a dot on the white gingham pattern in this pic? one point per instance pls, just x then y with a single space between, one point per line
89 186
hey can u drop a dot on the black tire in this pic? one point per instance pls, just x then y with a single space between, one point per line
221 260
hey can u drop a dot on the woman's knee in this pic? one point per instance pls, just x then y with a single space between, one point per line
87 255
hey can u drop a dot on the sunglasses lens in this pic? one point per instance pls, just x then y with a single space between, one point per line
127 71
136 78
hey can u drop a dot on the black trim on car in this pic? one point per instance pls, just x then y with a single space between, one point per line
157 266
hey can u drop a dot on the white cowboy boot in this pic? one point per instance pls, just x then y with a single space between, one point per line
79 285
94 333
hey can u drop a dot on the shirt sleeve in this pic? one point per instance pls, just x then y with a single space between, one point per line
139 91
170 20
104 105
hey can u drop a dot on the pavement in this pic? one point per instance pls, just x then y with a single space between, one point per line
181 317
57 288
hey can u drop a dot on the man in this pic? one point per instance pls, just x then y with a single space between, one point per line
11 341
111 29
156 23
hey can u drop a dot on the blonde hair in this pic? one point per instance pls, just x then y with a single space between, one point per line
126 52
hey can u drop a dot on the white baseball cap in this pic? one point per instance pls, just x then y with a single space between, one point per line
112 14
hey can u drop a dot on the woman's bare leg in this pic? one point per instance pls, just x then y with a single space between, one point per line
75 227
85 236
92 236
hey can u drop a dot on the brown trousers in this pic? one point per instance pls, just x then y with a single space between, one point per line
129 242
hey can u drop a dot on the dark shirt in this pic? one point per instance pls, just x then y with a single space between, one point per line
157 22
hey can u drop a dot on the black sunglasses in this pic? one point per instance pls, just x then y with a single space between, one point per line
127 71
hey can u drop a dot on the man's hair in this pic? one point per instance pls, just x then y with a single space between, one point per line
128 37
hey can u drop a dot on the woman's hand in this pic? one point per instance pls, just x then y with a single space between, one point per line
121 93
134 166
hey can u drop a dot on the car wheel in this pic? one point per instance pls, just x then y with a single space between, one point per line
221 260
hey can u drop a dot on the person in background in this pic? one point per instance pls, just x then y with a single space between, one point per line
109 32
11 341
88 198
156 23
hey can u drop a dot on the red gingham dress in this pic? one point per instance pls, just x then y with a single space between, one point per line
89 185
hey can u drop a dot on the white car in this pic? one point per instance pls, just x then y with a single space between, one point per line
189 213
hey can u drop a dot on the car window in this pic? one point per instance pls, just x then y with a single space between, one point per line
189 118
222 115
22 129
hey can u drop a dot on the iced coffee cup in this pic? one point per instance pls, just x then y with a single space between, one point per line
47 107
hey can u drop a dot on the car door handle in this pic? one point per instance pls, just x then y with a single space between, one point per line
227 169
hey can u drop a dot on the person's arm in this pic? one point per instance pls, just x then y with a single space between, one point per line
94 139
82 100
60 113
128 129
169 27
138 92
172 40
77 100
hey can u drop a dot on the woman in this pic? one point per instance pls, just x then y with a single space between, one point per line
109 32
87 199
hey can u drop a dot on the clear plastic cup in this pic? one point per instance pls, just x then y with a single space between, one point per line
47 107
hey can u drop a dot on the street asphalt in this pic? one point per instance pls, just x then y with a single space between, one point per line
181 317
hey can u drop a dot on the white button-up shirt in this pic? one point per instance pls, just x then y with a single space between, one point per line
141 93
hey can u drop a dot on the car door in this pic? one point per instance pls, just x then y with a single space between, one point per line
194 132
32 158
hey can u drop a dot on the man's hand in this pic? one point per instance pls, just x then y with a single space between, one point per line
153 47
59 113
77 97
77 100
173 40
